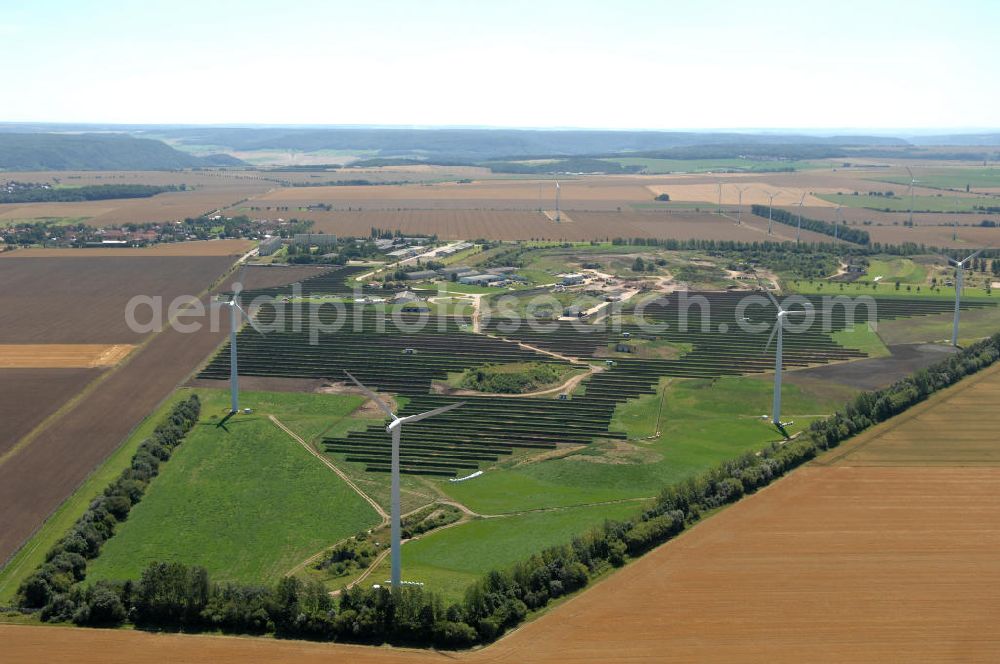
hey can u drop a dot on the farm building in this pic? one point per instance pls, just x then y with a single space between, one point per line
405 252
458 271
314 240
454 249
421 274
270 246
405 297
480 279
572 279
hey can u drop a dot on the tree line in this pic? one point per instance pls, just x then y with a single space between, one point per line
785 217
37 193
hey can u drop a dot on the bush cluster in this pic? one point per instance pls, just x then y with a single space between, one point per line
498 380
66 563
833 230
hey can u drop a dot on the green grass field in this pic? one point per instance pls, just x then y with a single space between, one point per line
449 560
891 270
657 166
901 202
702 424
888 289
951 178
863 338
973 325
247 503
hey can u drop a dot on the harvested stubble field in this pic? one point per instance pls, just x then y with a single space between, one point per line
956 428
935 236
208 191
62 356
82 300
858 216
576 190
511 225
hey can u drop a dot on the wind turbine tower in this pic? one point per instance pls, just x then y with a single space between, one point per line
395 429
235 310
959 280
739 206
913 181
798 232
557 202
770 207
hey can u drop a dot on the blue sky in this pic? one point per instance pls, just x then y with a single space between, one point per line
610 64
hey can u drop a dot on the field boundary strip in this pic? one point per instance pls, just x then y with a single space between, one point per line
62 356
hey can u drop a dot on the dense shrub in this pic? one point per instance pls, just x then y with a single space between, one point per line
790 219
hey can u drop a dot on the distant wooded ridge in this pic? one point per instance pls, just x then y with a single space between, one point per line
98 152
26 147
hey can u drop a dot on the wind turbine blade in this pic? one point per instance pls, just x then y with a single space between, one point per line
774 331
973 256
371 395
253 324
910 172
774 299
431 413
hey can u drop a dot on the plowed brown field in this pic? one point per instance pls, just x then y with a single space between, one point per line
834 563
28 396
52 299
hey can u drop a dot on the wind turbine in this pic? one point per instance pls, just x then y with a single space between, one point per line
719 185
798 233
959 277
739 206
395 428
557 201
234 322
778 331
770 205
954 228
912 182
